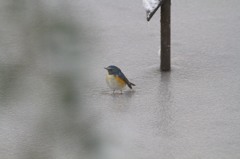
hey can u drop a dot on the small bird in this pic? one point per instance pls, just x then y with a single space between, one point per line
116 80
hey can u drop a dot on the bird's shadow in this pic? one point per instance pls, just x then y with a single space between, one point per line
127 93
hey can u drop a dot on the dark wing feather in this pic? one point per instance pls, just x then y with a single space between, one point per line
123 77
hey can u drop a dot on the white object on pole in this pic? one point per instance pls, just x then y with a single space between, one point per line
150 6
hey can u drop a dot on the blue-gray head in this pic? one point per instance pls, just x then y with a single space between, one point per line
113 70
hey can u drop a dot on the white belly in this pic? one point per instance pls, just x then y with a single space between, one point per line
113 84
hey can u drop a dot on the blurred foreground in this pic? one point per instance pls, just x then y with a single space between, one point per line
42 58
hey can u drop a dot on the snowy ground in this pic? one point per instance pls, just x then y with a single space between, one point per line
191 112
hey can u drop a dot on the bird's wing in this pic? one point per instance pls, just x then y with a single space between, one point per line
123 77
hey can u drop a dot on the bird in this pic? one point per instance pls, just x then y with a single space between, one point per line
116 80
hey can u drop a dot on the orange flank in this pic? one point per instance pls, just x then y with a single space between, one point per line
120 81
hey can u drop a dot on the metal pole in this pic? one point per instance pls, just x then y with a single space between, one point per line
166 36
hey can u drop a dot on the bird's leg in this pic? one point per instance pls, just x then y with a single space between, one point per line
121 91
113 91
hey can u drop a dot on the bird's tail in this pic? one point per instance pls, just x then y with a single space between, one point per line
130 85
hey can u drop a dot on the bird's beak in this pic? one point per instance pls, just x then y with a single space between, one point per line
106 68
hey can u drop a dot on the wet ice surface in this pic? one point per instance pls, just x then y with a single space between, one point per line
192 111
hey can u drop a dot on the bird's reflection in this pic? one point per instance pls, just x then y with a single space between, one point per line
121 101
